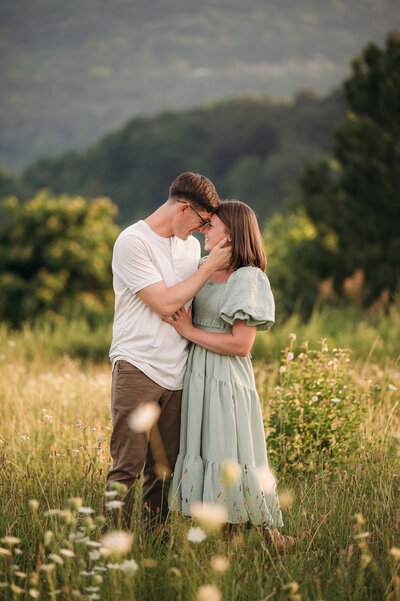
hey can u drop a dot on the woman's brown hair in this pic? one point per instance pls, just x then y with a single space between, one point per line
246 240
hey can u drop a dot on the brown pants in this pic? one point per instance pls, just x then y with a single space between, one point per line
130 450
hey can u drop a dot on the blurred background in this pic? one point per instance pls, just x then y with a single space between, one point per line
292 107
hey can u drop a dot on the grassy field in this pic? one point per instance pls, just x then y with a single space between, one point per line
344 509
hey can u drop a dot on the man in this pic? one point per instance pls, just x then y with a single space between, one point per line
155 272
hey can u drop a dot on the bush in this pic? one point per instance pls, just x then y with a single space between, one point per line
55 256
315 411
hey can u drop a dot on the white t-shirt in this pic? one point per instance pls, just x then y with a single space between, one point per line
142 258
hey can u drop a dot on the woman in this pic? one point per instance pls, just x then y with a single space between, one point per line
221 415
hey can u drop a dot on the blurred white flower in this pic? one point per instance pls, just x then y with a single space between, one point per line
290 356
292 336
110 493
33 505
219 563
266 479
24 437
10 540
395 551
129 566
196 535
48 537
5 551
114 566
314 398
336 400
86 510
67 553
116 543
47 567
392 387
208 592
94 555
115 504
34 593
282 369
56 558
144 417
210 515
231 472
51 512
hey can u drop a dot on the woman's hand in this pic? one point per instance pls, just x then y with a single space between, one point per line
181 321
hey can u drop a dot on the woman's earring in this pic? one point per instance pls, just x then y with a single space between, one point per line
229 240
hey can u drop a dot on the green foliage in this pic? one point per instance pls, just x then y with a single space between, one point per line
55 256
252 148
356 196
315 411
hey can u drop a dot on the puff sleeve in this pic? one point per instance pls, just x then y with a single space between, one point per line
248 296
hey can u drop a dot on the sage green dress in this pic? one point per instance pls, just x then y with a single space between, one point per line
221 414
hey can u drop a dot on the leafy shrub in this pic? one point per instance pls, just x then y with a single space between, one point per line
315 411
55 256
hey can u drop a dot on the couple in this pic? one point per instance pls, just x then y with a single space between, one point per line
157 270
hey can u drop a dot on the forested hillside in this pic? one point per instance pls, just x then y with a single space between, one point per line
252 148
72 71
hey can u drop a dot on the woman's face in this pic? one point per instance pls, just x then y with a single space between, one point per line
214 233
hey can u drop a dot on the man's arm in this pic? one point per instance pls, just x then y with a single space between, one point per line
165 301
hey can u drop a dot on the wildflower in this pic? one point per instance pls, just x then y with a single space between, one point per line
24 437
286 498
144 417
21 575
196 535
282 369
220 563
92 589
67 553
18 551
85 510
16 589
10 540
361 535
116 543
51 512
210 515
266 479
110 493
74 503
231 472
208 592
94 555
113 566
290 356
395 551
292 336
56 558
48 417
48 537
115 504
47 567
129 566
5 551
33 505
92 543
392 387
336 400
34 593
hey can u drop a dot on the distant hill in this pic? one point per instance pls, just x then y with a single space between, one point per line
73 70
252 148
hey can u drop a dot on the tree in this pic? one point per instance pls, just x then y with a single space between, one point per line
356 196
55 256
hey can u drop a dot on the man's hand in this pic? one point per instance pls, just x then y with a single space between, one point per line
220 256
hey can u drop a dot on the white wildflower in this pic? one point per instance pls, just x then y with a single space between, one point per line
51 512
10 540
110 493
196 535
292 336
336 400
266 479
392 387
47 567
290 356
144 417
115 504
5 551
86 510
314 398
210 515
116 543
94 555
129 566
395 551
282 369
219 563
208 592
231 472
56 558
67 553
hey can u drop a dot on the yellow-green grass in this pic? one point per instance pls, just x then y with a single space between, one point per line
54 434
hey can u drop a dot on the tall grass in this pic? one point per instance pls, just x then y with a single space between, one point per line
54 435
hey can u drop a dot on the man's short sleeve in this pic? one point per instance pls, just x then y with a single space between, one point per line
132 264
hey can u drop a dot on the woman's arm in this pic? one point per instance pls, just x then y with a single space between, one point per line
239 342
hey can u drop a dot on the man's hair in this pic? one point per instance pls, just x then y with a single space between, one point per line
246 240
197 189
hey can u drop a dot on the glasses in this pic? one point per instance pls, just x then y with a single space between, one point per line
205 222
